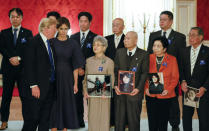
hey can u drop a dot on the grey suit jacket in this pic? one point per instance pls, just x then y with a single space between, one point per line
139 62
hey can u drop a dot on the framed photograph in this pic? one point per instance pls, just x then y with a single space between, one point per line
99 85
156 83
190 98
126 81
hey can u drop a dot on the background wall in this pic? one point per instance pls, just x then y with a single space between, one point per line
35 10
203 16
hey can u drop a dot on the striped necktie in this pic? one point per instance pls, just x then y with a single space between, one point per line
15 36
193 60
82 39
51 61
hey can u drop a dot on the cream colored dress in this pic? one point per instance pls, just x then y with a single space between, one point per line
98 108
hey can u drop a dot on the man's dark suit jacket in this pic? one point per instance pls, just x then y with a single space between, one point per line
176 41
87 48
8 49
37 66
200 75
111 50
139 61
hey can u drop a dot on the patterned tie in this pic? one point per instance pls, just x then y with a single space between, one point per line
82 40
164 34
193 60
51 61
15 36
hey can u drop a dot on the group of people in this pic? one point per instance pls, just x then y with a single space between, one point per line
51 71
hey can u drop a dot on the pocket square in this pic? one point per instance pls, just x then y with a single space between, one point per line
23 40
202 62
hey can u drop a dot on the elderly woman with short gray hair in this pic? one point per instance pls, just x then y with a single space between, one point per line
98 107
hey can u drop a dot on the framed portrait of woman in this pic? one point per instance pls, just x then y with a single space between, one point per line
99 85
126 81
156 83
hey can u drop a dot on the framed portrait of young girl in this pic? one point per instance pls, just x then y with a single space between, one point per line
126 81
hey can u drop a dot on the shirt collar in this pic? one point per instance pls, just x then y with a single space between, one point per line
18 28
197 49
118 36
43 37
168 31
132 51
86 32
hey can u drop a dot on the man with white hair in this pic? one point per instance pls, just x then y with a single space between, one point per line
128 107
40 74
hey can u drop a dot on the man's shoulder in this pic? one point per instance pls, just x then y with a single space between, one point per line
109 36
92 34
155 33
178 34
6 30
25 30
75 35
141 51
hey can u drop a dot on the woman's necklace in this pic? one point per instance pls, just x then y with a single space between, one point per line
159 61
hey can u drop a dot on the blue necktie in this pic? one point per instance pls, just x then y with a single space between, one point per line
82 40
15 36
51 62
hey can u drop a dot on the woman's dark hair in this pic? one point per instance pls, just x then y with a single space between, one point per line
127 75
63 20
163 40
17 10
87 14
156 75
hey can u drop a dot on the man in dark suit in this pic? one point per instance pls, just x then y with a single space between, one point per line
128 107
13 42
176 41
194 72
40 75
115 41
85 39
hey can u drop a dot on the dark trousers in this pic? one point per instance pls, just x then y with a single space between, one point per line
174 114
38 112
112 109
79 100
158 113
9 79
203 115
127 108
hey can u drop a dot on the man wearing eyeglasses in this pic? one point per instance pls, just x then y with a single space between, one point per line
176 41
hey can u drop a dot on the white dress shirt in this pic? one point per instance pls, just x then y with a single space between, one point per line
168 31
18 29
117 39
132 51
81 34
197 50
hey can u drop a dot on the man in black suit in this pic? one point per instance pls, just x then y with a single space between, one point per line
40 74
128 107
85 39
194 72
13 42
115 41
176 41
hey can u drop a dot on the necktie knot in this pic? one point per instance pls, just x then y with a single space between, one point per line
129 53
164 34
15 29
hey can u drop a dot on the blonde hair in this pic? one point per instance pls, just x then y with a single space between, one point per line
46 23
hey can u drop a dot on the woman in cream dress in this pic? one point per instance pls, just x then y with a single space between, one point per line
98 107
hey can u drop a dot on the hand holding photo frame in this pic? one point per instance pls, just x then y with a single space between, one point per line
126 81
99 85
190 98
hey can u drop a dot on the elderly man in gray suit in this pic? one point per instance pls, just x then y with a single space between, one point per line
128 106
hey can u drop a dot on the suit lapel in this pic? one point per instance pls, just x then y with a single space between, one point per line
134 60
199 57
187 56
121 44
